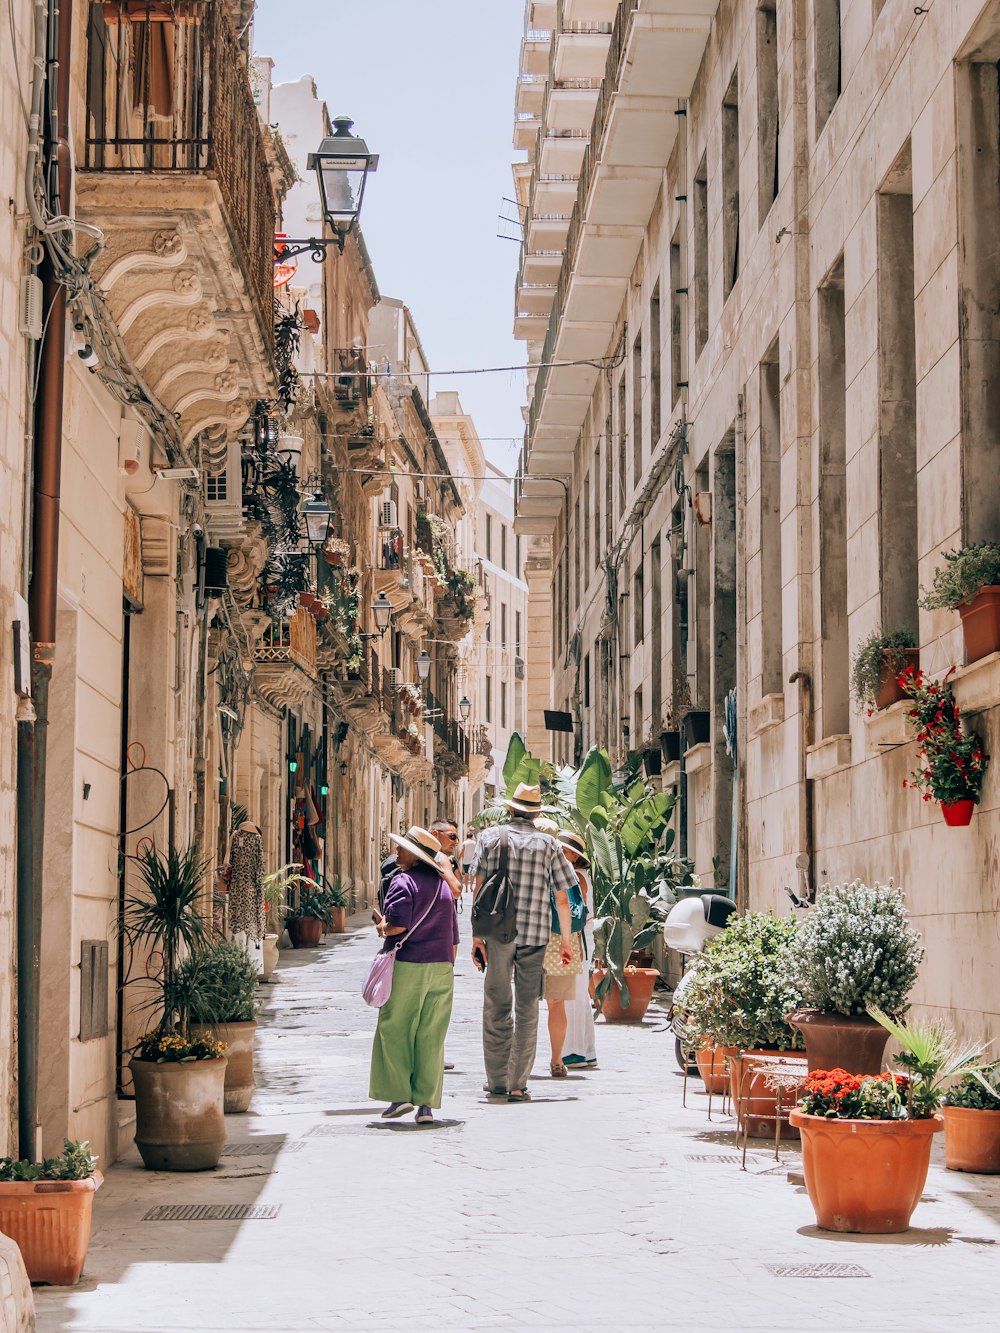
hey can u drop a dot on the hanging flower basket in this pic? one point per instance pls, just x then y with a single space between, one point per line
951 763
958 814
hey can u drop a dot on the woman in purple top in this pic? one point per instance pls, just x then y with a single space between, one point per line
408 1055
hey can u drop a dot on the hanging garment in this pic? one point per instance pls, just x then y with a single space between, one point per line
246 893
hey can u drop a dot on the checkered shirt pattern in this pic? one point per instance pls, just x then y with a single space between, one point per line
536 867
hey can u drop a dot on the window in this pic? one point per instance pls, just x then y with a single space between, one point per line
677 286
768 110
586 681
517 557
655 384
575 543
656 626
609 472
586 529
622 447
636 411
637 715
503 627
731 185
769 565
503 545
489 536
827 55
638 610
503 703
597 506
700 220
517 634
489 698
834 662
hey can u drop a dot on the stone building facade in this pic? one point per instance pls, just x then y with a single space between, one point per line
773 274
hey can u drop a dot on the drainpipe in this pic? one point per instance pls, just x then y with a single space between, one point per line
43 592
804 681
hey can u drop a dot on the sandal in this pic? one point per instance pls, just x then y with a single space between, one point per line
521 1096
557 1069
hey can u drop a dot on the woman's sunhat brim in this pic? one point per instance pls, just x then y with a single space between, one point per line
574 843
419 852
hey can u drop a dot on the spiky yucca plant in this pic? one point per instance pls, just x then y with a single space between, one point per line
931 1056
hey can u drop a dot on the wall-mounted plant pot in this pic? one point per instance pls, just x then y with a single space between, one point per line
889 690
652 762
698 727
981 624
670 745
958 814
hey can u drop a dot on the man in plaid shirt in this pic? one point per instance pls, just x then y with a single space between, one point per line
539 875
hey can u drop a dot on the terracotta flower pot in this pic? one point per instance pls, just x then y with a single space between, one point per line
305 932
179 1118
712 1067
338 923
836 1041
50 1222
958 814
889 691
865 1175
270 955
238 1039
971 1141
753 1101
981 624
640 985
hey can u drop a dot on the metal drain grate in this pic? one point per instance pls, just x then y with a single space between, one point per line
260 1148
727 1159
817 1270
212 1212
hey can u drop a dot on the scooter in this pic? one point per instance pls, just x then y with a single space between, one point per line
690 924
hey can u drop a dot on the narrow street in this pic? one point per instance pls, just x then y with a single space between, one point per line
603 1205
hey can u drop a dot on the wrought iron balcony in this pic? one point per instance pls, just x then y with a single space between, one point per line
285 660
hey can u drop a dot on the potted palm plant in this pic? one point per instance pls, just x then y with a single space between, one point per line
971 1123
855 948
738 999
46 1208
275 886
878 664
969 582
217 987
866 1139
951 762
179 1078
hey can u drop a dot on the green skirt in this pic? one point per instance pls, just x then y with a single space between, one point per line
408 1054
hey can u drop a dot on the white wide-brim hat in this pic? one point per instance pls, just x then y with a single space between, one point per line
424 846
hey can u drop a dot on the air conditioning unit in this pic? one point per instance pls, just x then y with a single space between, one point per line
395 678
387 514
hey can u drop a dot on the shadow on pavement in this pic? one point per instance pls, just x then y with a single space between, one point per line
933 1238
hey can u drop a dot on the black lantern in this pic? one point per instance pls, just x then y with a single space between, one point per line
342 163
465 707
318 516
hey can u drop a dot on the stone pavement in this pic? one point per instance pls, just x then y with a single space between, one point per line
602 1205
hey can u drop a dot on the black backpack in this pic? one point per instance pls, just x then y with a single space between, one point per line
494 910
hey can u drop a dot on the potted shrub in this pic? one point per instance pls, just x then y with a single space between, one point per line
217 986
179 1080
969 582
738 999
878 664
951 762
46 1209
305 920
855 948
866 1139
971 1123
336 904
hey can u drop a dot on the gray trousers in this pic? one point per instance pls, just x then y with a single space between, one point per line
510 1038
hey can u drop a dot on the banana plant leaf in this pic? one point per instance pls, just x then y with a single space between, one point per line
516 752
593 781
645 822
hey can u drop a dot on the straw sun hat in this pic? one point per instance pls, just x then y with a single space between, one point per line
574 843
424 846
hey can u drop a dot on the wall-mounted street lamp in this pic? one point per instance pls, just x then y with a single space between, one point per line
465 707
341 163
382 613
318 520
424 665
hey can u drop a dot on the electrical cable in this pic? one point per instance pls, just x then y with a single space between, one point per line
600 363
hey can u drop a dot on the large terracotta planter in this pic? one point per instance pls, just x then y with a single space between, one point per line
836 1041
305 932
238 1039
754 1102
270 956
180 1124
640 986
50 1222
865 1175
889 691
338 920
712 1067
971 1141
981 624
958 814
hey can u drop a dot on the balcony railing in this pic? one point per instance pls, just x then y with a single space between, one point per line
291 640
168 92
452 735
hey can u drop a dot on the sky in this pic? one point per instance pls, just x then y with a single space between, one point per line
430 85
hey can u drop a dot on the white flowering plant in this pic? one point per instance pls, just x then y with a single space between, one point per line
856 948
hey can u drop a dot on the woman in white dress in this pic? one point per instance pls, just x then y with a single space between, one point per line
580 1046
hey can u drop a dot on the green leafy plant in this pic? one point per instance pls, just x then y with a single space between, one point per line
75 1162
931 1057
965 571
336 894
951 762
744 985
217 984
165 917
855 948
631 905
313 902
879 656
277 883
978 1091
